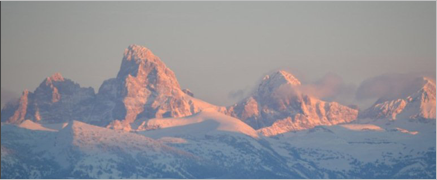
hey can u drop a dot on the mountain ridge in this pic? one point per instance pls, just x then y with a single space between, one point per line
145 88
279 105
141 124
418 105
56 99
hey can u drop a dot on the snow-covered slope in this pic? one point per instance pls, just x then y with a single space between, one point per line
238 153
213 121
278 106
28 124
171 134
419 105
84 151
362 127
197 149
349 151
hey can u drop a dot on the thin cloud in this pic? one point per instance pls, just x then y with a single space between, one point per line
330 87
390 86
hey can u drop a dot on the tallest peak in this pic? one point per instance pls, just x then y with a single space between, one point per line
55 77
136 58
135 47
138 53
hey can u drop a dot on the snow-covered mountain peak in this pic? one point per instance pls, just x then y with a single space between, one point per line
138 53
144 88
279 84
420 104
140 63
279 105
279 78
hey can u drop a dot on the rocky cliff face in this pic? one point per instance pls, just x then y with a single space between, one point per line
143 88
278 106
418 105
55 100
146 88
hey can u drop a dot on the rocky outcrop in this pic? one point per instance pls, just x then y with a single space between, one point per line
278 106
144 88
55 100
418 105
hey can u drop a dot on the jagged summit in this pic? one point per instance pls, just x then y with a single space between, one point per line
420 104
141 64
418 85
283 76
278 78
16 113
138 53
53 78
279 106
49 82
144 88
56 99
277 83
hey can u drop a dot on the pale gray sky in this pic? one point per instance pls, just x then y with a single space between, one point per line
216 48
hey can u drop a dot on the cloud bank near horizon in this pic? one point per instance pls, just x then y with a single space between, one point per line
331 87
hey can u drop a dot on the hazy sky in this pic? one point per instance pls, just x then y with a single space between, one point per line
216 48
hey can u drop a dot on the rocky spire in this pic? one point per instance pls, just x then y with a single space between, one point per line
144 88
54 78
20 113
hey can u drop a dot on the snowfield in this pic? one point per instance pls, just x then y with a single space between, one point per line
208 145
220 122
141 124
362 127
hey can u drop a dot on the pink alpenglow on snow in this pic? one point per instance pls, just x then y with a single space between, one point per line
142 124
279 106
420 104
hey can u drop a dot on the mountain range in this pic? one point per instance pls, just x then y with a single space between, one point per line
142 124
